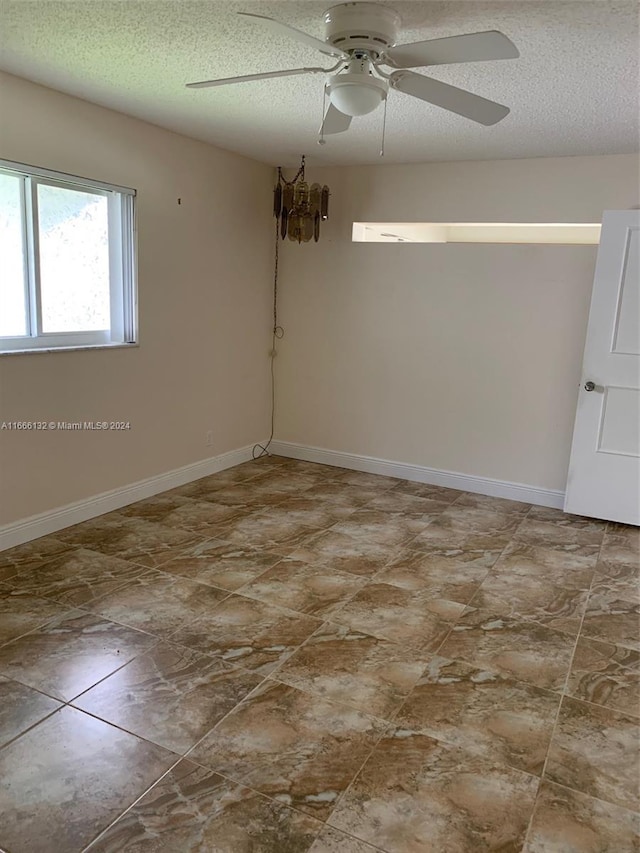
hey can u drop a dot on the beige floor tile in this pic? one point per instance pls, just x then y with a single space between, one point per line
597 751
76 577
606 674
71 654
58 800
304 587
390 613
20 708
481 711
159 603
309 512
296 748
487 520
30 555
183 512
362 478
418 794
525 651
274 486
223 564
248 632
623 534
21 613
263 528
456 577
445 534
572 567
239 496
370 673
426 490
620 580
619 551
527 598
134 539
612 618
564 519
382 527
342 494
193 809
333 841
552 535
411 506
496 504
345 553
171 696
565 820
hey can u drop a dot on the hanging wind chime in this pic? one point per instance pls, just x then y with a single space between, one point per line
300 208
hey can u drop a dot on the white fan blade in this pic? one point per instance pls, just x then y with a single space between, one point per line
334 121
473 47
449 97
298 35
247 78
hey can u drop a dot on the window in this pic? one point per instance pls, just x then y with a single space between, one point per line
67 268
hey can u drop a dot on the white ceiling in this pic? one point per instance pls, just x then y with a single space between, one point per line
573 91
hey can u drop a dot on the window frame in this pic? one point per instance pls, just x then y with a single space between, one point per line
122 234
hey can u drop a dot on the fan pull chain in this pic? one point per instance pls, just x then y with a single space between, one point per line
384 127
322 140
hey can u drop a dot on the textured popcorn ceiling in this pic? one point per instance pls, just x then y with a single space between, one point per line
573 91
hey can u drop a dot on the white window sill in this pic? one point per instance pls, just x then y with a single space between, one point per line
33 350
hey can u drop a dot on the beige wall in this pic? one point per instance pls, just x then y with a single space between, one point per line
457 357
204 300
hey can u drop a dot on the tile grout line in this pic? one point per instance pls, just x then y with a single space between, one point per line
246 699
469 604
290 806
597 799
137 800
66 703
33 725
343 795
69 703
287 806
562 698
632 717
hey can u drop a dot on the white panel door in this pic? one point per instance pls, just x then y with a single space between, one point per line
604 471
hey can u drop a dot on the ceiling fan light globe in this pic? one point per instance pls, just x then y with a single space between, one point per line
354 99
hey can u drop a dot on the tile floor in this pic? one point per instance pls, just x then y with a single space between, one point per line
286 657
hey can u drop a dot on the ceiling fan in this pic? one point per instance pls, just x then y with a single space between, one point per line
362 37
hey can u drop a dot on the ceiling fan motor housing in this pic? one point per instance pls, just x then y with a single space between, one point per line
361 27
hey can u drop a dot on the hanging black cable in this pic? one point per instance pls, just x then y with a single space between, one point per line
298 210
276 335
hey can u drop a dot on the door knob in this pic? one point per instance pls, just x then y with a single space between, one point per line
589 386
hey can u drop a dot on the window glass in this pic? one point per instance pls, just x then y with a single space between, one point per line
74 259
13 308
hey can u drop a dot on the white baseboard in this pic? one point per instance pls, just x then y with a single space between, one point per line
48 522
421 474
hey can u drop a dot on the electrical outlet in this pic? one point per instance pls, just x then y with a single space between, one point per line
209 438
